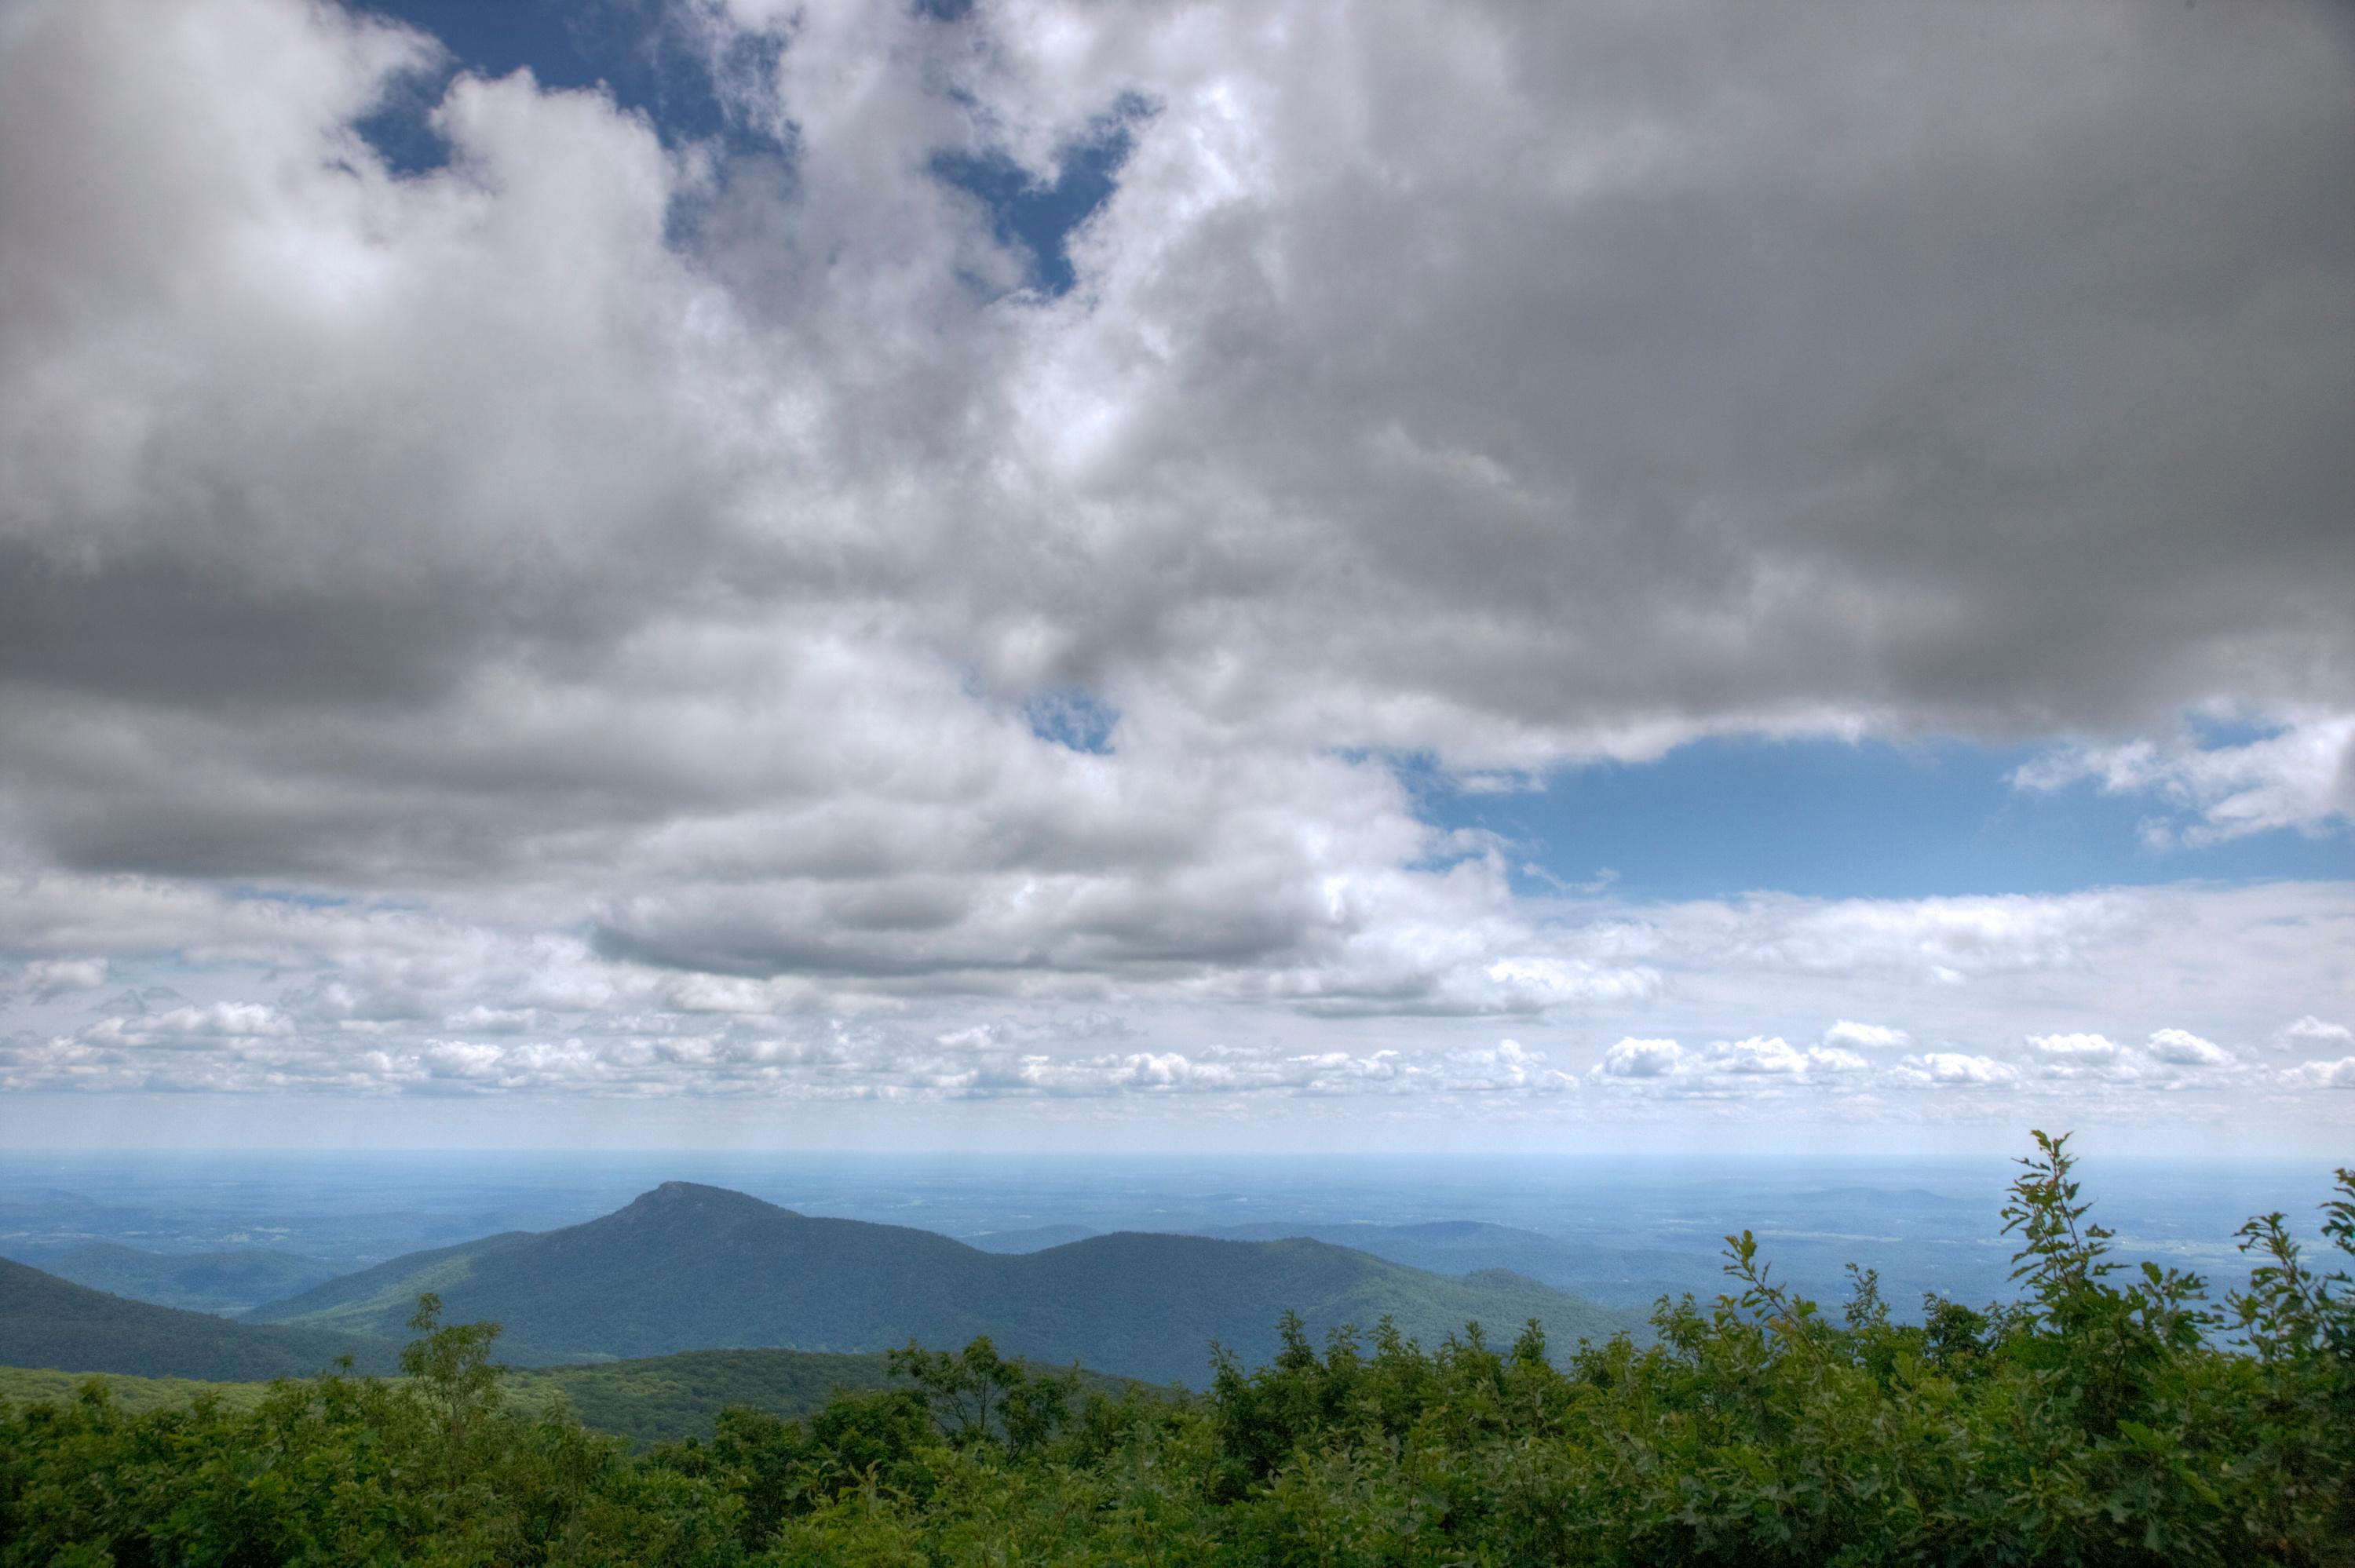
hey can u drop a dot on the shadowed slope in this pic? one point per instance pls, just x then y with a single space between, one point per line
48 1322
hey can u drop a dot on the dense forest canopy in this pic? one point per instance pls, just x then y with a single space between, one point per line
2102 1419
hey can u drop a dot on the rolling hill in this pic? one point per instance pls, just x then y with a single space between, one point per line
48 1322
1611 1276
694 1268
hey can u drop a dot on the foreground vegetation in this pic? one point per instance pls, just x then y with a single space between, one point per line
2104 1419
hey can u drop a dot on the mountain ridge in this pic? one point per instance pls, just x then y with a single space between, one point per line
686 1267
50 1323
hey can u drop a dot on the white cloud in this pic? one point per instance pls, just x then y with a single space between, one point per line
1950 941
48 978
2183 1049
1755 1054
2080 1048
2310 1032
1632 1058
2339 1074
364 1000
1773 1057
2301 777
218 1021
1510 1067
1865 1036
2083 1057
1955 1069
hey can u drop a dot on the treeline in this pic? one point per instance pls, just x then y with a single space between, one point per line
2105 1418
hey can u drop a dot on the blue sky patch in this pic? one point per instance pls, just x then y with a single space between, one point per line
1827 819
1039 217
633 49
1073 718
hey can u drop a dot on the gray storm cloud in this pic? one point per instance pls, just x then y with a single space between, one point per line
652 550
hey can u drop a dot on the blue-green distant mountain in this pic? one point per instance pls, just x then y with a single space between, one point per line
230 1281
692 1267
48 1322
1615 1277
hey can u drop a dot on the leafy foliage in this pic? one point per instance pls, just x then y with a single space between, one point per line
28 1385
657 1400
2096 1422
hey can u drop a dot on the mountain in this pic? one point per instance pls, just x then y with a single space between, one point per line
48 1322
230 1281
694 1267
1613 1276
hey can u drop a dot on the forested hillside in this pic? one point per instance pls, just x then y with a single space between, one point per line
669 1397
692 1267
660 1399
2124 1422
48 1322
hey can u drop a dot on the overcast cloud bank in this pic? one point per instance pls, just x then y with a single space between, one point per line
636 616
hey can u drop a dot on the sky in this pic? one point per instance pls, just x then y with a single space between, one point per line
1255 576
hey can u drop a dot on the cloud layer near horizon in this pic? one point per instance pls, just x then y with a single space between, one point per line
655 561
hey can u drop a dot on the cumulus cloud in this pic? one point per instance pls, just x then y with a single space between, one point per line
1849 1035
2312 1032
1632 1058
1776 1057
1955 1069
2339 1074
2075 1048
2184 1049
2168 1058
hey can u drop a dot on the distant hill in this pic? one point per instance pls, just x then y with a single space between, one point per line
231 1281
378 1300
1618 1277
694 1267
48 1322
1033 1238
